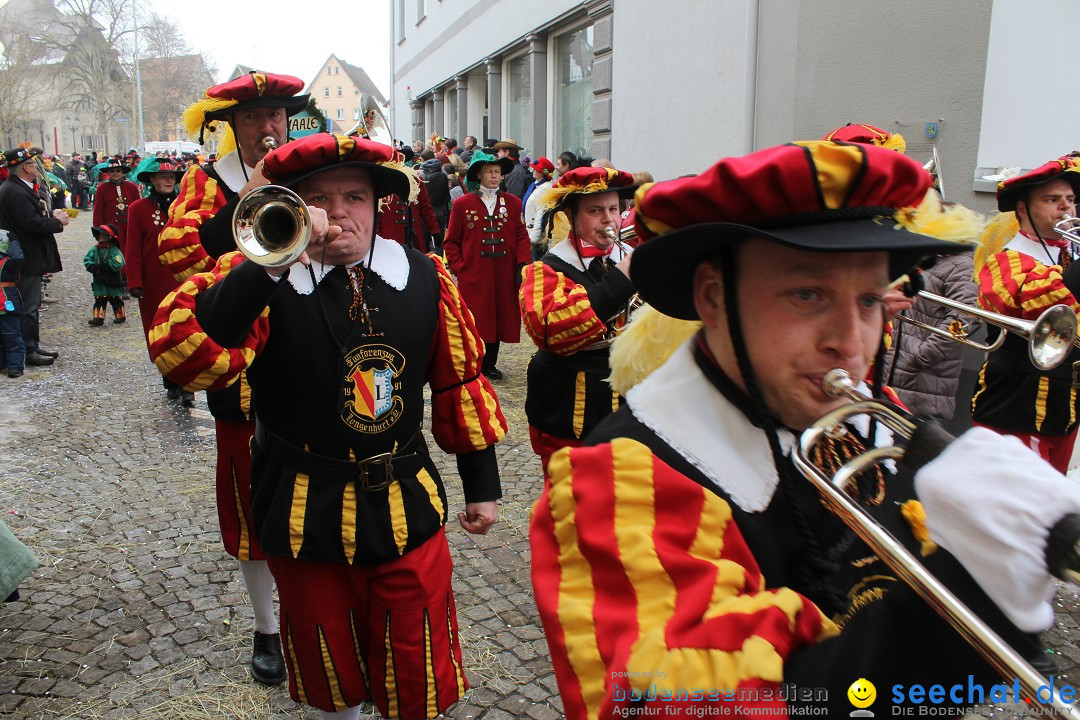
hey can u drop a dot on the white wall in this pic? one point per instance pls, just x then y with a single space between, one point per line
1029 111
454 36
679 84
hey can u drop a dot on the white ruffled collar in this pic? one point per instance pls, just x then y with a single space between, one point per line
712 434
230 171
389 262
1023 244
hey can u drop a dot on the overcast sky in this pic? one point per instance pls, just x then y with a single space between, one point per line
292 38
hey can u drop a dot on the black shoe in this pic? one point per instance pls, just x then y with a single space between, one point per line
96 322
14 373
37 359
173 393
48 353
187 398
117 321
267 664
493 374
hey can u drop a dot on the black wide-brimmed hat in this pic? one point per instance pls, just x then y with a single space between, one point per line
816 196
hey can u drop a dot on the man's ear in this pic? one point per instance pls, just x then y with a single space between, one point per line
1021 210
709 294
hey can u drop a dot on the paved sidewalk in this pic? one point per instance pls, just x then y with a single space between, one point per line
136 611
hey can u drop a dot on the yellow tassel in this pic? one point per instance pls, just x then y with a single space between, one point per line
895 142
645 344
195 114
915 514
999 231
956 223
560 230
414 179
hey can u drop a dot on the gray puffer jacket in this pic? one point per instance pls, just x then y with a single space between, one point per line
927 367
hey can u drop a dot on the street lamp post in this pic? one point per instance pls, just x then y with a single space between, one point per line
73 124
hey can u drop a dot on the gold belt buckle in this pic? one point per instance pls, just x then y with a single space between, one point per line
364 479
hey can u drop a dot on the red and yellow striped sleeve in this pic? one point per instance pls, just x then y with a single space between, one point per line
179 246
1016 284
556 310
651 596
465 412
184 353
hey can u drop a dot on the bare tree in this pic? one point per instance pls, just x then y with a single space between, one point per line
173 76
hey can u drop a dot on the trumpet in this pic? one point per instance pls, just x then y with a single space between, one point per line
1069 228
1050 336
622 237
971 627
272 226
269 143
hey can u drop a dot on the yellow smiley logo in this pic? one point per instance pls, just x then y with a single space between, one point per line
862 693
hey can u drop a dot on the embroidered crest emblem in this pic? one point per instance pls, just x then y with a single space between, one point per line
371 388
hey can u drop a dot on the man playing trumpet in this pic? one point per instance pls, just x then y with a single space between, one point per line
571 300
348 504
253 112
679 558
1022 269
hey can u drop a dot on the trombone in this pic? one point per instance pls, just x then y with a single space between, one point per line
1050 336
1069 228
971 627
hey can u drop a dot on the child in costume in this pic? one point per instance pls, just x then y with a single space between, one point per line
104 262
12 347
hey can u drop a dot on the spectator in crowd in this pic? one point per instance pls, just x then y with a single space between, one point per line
12 347
24 215
457 189
79 182
517 180
564 163
438 189
542 170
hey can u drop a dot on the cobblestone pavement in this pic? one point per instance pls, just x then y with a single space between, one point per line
136 611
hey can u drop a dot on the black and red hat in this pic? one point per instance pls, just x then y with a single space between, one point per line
108 231
19 155
300 159
116 164
586 181
816 196
256 89
1014 189
868 134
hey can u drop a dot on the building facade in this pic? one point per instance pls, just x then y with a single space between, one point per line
671 87
337 89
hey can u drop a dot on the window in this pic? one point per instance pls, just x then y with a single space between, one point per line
326 91
336 68
356 114
328 70
452 106
340 114
574 91
339 91
519 115
421 11
399 16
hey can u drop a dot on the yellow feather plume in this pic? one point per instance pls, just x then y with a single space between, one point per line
194 118
895 142
998 232
955 223
645 344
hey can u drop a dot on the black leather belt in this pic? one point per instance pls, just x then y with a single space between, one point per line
370 474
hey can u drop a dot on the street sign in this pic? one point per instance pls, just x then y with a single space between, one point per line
931 130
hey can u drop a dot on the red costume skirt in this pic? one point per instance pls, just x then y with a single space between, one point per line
234 489
386 633
546 445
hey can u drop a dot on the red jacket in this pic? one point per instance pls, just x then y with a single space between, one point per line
112 203
391 222
144 268
487 263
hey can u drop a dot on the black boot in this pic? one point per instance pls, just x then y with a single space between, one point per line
267 664
187 398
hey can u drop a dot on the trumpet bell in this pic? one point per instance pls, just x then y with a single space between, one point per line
271 226
1052 337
